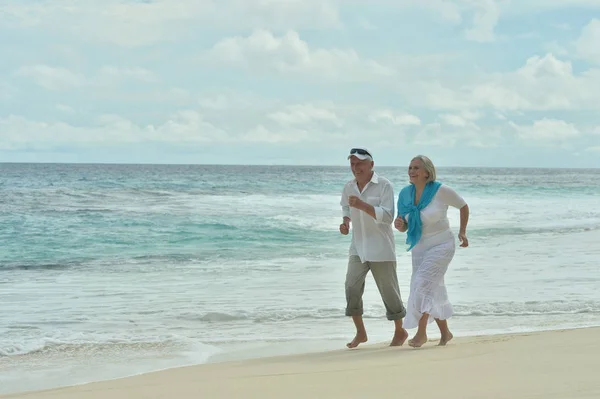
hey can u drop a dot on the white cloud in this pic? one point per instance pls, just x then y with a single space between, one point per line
448 136
52 78
114 22
587 46
388 116
263 135
540 5
367 25
7 91
284 14
67 109
543 83
293 72
290 54
302 114
185 127
484 21
127 73
143 23
218 102
61 79
546 131
460 120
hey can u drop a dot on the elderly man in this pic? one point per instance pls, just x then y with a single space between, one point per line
368 203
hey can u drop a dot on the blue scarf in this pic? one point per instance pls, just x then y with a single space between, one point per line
406 206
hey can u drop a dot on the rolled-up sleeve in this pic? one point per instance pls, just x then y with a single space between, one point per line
384 213
344 204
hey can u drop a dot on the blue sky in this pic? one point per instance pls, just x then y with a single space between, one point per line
466 82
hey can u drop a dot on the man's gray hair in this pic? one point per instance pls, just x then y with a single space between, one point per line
428 166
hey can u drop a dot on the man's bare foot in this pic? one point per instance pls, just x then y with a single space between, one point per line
399 337
360 338
445 338
417 341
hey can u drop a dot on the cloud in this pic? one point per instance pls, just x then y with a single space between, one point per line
7 91
285 14
144 23
388 116
65 109
302 114
52 78
261 134
587 46
186 127
126 73
448 136
541 5
541 84
546 131
284 74
460 120
289 54
131 23
485 18
61 79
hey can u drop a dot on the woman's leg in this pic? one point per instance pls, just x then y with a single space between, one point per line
429 298
445 331
421 336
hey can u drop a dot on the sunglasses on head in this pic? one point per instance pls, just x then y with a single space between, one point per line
360 151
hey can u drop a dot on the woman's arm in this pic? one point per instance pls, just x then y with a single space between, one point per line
464 220
451 198
400 225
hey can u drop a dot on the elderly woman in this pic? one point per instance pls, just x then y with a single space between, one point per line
422 213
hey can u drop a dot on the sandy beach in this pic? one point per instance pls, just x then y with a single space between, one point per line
554 364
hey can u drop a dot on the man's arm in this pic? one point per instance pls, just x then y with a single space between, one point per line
383 213
345 226
345 205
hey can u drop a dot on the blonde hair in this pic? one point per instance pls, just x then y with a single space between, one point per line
428 166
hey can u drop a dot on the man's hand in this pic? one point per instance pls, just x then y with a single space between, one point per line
345 226
355 202
344 229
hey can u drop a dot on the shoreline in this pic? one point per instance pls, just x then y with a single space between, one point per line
204 378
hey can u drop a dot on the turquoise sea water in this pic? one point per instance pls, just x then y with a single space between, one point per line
112 270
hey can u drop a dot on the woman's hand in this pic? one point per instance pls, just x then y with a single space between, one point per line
463 239
400 224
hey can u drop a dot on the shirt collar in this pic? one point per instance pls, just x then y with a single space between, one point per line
374 178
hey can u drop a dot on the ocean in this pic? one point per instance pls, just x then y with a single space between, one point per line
114 270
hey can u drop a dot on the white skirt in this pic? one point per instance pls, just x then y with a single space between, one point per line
430 259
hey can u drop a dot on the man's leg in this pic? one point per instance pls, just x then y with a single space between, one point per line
355 287
386 278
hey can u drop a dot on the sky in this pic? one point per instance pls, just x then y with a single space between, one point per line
475 83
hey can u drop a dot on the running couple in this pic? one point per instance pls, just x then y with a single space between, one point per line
368 206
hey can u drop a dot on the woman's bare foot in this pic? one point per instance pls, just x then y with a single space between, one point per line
445 338
360 338
417 341
399 337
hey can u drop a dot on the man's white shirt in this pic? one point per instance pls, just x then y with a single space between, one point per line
372 239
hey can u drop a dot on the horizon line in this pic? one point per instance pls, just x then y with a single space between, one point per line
284 165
